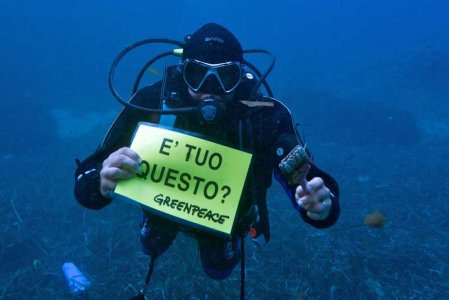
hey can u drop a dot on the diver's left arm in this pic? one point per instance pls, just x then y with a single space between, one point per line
318 201
319 206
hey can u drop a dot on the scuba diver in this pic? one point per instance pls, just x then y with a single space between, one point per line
213 92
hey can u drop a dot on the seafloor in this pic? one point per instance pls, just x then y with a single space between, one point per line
384 138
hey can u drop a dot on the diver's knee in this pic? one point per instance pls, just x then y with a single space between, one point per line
156 239
219 262
218 274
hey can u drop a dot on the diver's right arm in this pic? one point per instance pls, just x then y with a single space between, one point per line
96 179
97 175
121 164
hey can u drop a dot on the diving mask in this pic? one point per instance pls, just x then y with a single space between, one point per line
196 73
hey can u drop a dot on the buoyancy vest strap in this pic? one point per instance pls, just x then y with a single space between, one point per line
141 294
167 120
242 268
150 271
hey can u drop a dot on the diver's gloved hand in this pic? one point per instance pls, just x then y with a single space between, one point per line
121 164
315 198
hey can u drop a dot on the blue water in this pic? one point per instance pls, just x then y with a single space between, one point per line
368 81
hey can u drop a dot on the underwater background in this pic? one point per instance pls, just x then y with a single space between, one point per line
367 79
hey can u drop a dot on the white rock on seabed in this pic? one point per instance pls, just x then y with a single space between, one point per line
363 178
72 125
436 128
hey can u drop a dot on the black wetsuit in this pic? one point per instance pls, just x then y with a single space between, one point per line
267 131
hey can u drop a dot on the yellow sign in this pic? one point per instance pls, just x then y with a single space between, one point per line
192 180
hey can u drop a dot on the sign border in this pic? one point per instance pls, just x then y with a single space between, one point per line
182 222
